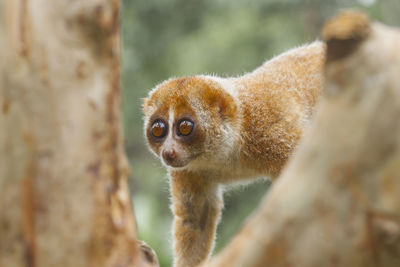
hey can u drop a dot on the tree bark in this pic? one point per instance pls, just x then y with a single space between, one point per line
337 203
64 198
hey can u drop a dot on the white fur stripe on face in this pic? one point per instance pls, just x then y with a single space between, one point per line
168 139
171 119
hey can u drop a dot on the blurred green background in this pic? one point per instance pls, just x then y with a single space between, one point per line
166 38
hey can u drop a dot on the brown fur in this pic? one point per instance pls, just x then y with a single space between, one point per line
244 127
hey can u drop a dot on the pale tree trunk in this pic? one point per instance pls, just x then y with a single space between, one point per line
338 201
64 198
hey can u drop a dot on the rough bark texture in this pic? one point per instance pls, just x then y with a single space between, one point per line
64 199
338 201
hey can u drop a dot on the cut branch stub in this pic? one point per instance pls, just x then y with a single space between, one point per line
344 33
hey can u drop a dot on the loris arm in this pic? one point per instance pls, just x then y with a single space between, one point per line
197 204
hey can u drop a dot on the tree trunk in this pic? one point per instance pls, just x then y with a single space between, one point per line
338 201
64 198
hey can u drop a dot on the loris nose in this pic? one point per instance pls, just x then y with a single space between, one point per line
169 154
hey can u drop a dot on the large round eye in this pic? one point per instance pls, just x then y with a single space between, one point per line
159 129
185 127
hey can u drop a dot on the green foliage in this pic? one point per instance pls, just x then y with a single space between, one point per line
162 39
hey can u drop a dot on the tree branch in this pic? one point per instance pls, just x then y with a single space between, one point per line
337 203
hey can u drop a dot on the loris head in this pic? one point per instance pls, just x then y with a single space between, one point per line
192 121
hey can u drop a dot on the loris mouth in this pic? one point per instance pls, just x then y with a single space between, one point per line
176 163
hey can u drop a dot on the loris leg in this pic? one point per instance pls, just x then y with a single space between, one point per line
197 203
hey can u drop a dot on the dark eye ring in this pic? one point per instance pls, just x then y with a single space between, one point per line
159 129
185 127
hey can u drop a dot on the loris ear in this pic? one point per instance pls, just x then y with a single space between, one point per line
145 105
222 101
